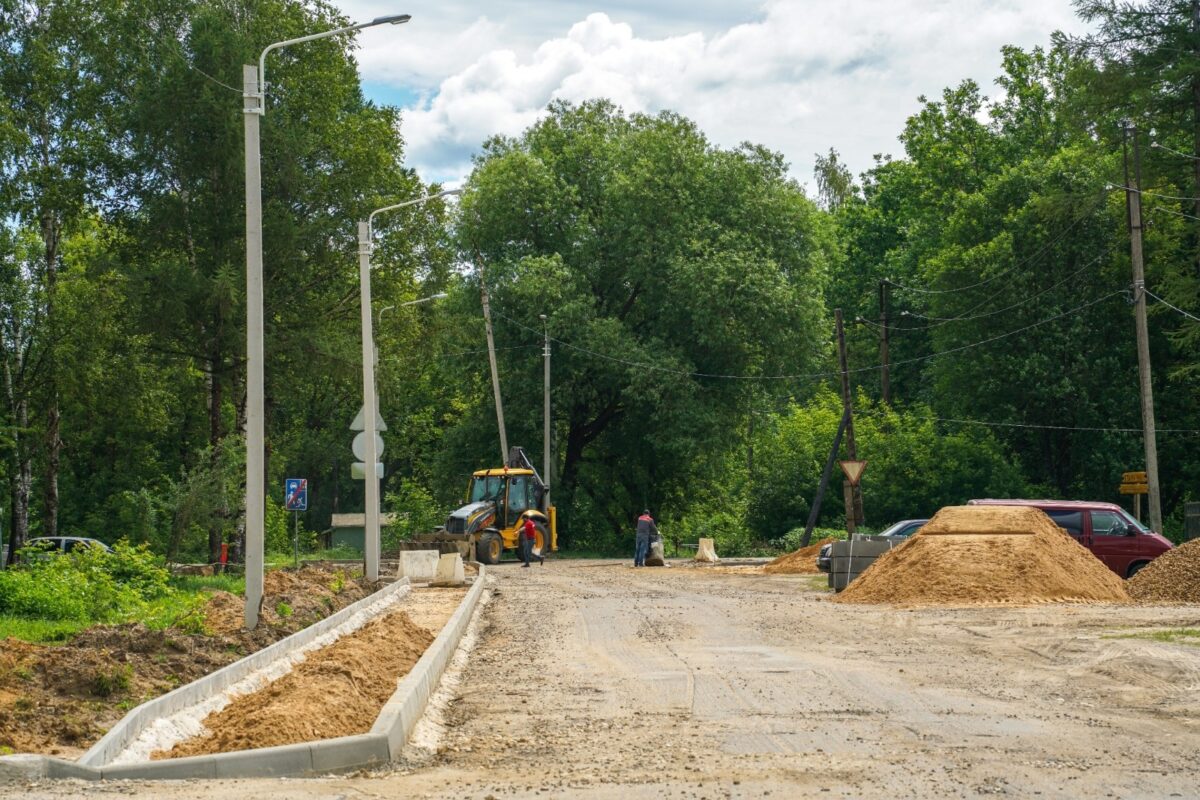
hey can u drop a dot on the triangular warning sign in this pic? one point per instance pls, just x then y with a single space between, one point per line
360 422
853 470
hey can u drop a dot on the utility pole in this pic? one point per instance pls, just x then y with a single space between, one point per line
253 100
885 382
1133 194
546 409
853 494
487 323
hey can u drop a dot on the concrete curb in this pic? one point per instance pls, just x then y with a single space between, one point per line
385 740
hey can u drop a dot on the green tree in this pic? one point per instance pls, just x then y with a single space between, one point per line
662 262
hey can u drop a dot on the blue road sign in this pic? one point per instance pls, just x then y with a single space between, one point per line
295 494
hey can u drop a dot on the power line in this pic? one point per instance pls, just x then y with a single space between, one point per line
160 37
1176 152
1062 235
1080 428
1168 305
940 321
1173 211
812 375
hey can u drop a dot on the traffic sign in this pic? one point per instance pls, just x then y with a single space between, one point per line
360 421
1133 477
1133 488
358 470
295 494
853 470
360 446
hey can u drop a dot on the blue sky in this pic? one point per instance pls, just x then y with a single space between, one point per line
798 76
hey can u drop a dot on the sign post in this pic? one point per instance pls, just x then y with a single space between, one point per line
1135 483
295 499
853 470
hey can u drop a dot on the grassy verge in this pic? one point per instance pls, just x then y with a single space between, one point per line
1170 636
180 607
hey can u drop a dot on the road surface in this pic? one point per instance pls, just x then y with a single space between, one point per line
595 680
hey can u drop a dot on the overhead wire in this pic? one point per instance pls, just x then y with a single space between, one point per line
1062 234
812 375
1169 305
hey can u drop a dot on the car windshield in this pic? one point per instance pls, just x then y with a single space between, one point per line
1134 523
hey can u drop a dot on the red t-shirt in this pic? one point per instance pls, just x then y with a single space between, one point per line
530 530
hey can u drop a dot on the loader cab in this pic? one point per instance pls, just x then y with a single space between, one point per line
514 491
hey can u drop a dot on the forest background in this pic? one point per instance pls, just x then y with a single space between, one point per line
688 289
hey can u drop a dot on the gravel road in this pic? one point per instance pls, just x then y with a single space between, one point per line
592 679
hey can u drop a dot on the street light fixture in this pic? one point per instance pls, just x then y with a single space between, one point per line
253 107
379 318
370 472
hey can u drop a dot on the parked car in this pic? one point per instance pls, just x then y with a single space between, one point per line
1116 538
901 530
66 543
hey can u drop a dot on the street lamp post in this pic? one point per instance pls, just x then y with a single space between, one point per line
371 470
254 105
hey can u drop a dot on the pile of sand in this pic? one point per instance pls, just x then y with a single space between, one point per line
801 562
1173 577
971 555
336 691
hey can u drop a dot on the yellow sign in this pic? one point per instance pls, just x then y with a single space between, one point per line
853 470
1133 477
1133 488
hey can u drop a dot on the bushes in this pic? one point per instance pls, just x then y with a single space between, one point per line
85 585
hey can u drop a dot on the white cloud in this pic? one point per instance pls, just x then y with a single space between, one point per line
794 75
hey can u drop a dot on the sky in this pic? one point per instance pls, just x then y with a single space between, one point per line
797 76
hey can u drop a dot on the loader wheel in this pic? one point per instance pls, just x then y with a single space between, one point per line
488 548
541 542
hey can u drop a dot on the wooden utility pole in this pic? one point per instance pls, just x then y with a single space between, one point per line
885 382
853 494
1133 195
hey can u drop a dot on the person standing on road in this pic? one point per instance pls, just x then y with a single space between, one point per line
528 536
645 529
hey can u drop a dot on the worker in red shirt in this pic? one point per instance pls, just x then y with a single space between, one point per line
528 537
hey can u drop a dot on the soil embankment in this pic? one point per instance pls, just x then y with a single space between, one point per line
60 699
336 691
1173 577
969 555
799 562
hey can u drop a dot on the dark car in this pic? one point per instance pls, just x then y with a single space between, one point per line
901 530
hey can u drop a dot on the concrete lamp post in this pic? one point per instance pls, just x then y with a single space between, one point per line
371 459
254 105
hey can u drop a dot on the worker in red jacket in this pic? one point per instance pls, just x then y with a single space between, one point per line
528 537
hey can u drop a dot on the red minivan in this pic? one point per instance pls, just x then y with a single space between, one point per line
1116 538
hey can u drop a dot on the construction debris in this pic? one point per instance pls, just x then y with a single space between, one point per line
706 552
968 555
1173 577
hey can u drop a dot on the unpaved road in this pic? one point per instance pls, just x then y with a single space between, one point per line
600 681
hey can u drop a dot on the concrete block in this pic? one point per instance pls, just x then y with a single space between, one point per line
349 752
266 762
58 768
449 571
418 565
706 552
655 557
24 767
172 769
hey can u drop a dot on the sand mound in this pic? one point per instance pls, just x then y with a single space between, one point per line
336 691
801 562
970 555
1173 577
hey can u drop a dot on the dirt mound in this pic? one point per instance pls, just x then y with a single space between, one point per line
1173 577
970 555
336 691
800 562
59 699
